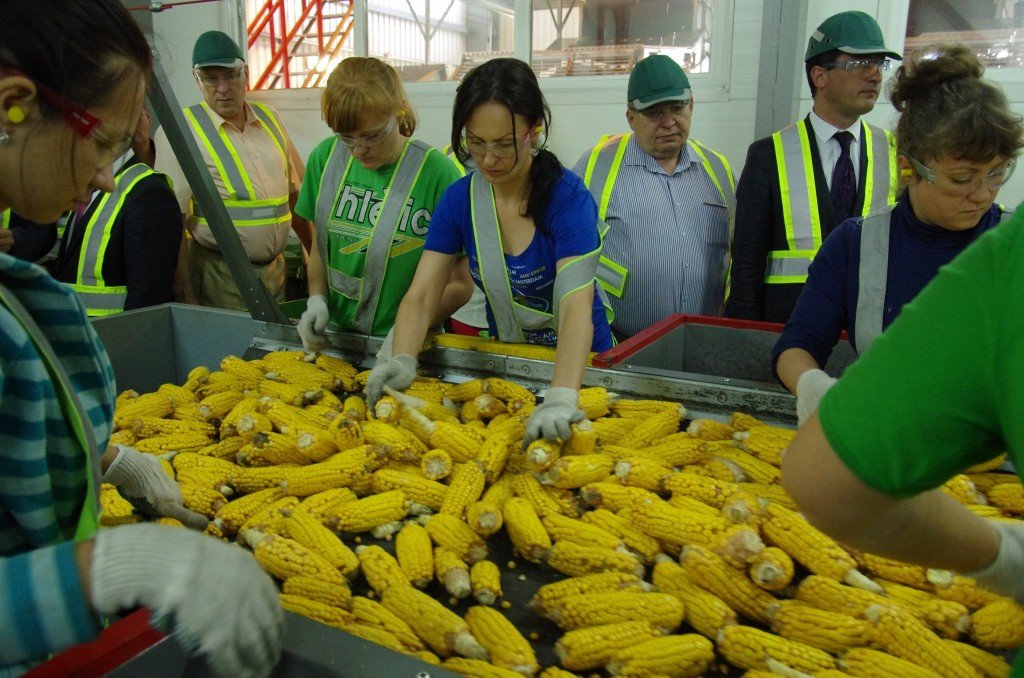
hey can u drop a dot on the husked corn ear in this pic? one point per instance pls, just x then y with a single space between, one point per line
985 663
452 572
965 591
549 596
635 540
484 517
903 635
115 509
199 498
868 663
175 442
318 504
507 647
467 390
641 472
707 490
541 454
226 448
429 657
657 426
672 451
527 487
415 554
347 434
485 580
679 527
664 611
315 610
753 469
372 613
999 625
947 618
509 391
233 514
555 672
703 610
594 646
125 436
286 558
624 407
986 480
611 430
486 406
962 489
380 568
311 533
303 374
354 408
440 628
436 464
218 405
744 507
476 668
772 493
525 529
583 439
613 497
560 527
578 470
828 631
575 560
466 486
810 546
741 421
684 656
709 571
771 569
365 514
595 401
750 648
1008 496
387 410
177 394
709 429
495 453
717 469
453 534
148 405
344 372
402 443
898 571
149 427
270 519
251 423
317 589
243 369
417 488
767 443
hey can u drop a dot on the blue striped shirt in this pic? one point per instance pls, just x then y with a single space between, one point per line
43 468
671 233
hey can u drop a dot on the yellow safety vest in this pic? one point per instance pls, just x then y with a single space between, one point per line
799 194
450 154
5 219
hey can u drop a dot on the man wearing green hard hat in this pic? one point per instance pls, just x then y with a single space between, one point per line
667 200
801 182
257 172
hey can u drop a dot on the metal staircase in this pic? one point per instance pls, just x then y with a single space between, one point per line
295 43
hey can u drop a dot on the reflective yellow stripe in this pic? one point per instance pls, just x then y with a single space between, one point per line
699 150
869 183
228 186
606 192
592 160
615 289
5 219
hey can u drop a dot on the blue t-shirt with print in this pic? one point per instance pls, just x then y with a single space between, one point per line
571 225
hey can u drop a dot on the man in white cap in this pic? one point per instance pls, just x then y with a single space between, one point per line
668 203
256 170
801 182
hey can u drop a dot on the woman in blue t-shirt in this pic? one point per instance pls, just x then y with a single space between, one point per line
529 230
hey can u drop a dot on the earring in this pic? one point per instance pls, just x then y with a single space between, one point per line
534 152
906 173
16 115
5 138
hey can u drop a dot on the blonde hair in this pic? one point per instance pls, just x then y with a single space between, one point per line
361 85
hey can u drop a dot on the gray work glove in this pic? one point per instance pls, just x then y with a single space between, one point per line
1006 573
397 372
553 418
211 596
313 323
810 389
141 479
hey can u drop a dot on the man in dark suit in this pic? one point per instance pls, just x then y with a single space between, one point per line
801 182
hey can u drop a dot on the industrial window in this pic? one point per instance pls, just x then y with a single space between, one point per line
993 29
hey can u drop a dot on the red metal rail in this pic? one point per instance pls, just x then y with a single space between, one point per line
286 33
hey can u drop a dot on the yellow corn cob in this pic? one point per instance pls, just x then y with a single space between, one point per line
402 443
365 514
318 504
828 631
583 439
962 489
476 668
149 427
429 657
613 497
675 526
315 610
704 611
986 510
578 470
635 540
485 581
125 436
704 489
387 410
469 413
326 409
508 391
342 371
744 507
671 451
827 594
316 446
294 420
148 405
869 663
514 425
624 407
774 494
894 570
115 509
177 394
529 538
685 656
308 531
595 401
985 663
346 469
657 426
354 408
555 672
467 390
270 519
204 500
417 488
575 560
226 448
986 480
507 648
484 517
286 558
485 406
527 487
771 569
251 423
741 421
252 479
767 443
664 611
495 453
965 591
903 635
560 527
549 596
226 384
611 431
999 625
291 394
220 404
372 613
304 375
593 647
709 429
750 648
440 628
467 484
243 369
436 464
415 554
452 572
193 460
813 548
380 568
541 454
453 534
753 469
215 480
317 589
642 472
709 571
175 442
274 448
1008 496
947 618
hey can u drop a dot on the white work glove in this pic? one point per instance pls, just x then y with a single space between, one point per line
1006 573
384 353
211 596
397 372
141 479
313 323
553 418
810 389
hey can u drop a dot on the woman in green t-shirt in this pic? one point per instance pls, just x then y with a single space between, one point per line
370 190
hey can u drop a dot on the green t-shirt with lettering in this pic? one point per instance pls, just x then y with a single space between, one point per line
357 206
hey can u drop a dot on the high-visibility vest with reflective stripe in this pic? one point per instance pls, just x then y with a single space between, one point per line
450 154
511 317
603 170
244 209
799 194
5 218
367 288
873 275
99 298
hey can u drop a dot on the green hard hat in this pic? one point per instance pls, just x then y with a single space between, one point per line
214 48
850 32
657 79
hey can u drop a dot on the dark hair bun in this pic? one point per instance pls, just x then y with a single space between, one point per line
928 71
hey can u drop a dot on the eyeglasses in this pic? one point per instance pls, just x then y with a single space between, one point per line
82 122
232 77
966 184
370 140
861 66
500 149
658 113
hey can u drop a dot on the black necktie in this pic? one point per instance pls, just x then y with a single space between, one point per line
844 181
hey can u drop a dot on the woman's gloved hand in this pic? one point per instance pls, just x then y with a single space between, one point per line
397 372
553 418
1006 573
211 596
141 479
313 323
810 389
